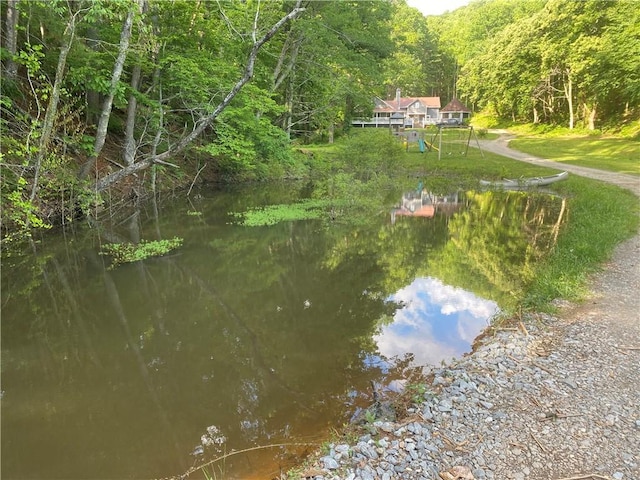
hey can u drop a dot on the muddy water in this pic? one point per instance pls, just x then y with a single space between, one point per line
244 337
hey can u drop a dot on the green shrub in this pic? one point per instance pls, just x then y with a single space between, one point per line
370 151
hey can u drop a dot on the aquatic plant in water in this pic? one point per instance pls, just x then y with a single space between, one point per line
130 252
272 214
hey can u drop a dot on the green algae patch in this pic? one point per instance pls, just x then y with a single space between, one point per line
133 252
273 214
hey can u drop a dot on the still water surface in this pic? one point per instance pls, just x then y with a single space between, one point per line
244 336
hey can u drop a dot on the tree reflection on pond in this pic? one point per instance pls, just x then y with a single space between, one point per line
262 335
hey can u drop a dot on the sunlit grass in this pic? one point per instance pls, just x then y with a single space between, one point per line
612 154
600 217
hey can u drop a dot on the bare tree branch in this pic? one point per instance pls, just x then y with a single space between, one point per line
112 178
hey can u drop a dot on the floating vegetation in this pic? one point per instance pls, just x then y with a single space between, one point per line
272 214
130 252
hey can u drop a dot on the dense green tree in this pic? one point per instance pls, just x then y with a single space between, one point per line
467 33
505 81
332 57
190 60
417 65
566 63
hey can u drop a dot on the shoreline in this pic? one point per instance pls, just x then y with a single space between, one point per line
555 400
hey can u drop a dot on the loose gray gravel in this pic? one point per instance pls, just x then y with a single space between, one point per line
558 398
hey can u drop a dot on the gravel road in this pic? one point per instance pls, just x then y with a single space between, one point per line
558 399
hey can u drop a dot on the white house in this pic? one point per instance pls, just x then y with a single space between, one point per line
401 112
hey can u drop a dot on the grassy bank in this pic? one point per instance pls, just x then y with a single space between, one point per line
601 215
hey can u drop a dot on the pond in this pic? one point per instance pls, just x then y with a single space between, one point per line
246 338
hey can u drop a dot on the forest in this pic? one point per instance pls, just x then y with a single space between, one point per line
112 99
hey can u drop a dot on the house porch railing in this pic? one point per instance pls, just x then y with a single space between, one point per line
378 122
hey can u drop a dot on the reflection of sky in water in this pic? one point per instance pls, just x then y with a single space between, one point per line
437 322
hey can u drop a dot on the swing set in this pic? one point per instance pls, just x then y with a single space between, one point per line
453 139
450 139
413 136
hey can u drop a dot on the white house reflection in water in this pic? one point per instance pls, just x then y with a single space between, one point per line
421 203
438 322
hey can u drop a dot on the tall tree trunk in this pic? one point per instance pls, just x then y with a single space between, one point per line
204 123
52 107
103 123
591 115
92 96
11 35
281 72
288 115
568 93
129 149
129 152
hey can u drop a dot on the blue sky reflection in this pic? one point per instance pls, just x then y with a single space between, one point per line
438 322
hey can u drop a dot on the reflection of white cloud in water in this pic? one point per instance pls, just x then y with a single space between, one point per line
437 322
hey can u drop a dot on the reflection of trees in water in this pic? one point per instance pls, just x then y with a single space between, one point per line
496 243
262 332
204 340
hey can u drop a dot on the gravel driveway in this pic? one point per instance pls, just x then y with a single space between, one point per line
558 399
501 147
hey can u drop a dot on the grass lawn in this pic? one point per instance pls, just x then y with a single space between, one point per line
612 154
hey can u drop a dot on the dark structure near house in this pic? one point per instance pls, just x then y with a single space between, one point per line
454 112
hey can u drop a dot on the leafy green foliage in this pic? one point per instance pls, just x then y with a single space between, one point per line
417 391
369 152
129 252
567 63
21 212
247 145
272 214
418 65
369 416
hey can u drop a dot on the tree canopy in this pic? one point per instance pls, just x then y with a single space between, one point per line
125 94
557 61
